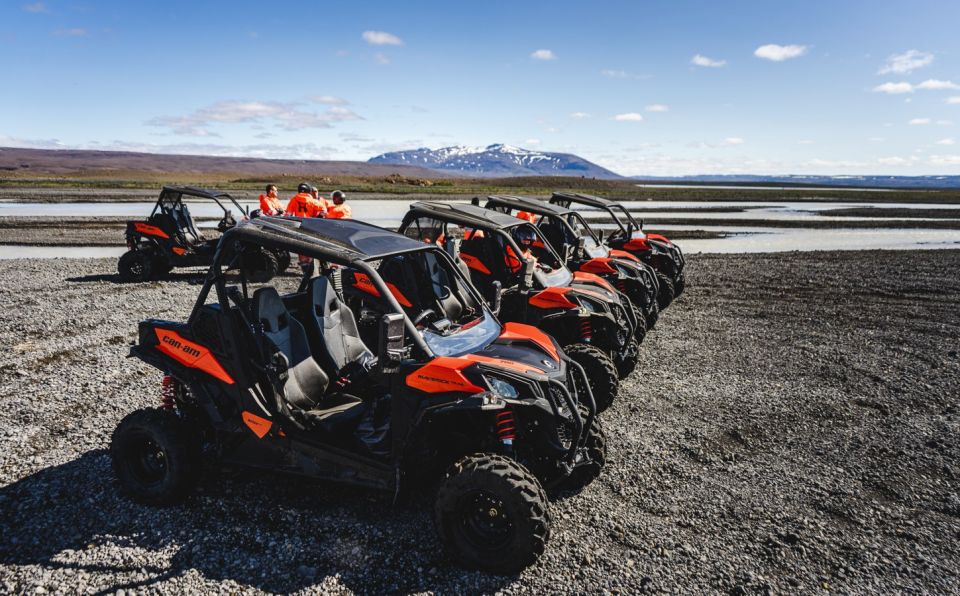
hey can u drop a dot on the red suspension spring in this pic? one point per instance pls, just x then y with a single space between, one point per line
506 429
585 331
166 393
622 285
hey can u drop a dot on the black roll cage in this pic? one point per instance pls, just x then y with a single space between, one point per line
199 193
606 205
544 209
282 233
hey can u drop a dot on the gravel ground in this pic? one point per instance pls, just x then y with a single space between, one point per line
794 428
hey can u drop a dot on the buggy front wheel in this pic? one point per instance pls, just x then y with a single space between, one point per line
260 266
135 265
600 370
492 514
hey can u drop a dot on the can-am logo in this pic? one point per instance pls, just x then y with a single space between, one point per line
176 344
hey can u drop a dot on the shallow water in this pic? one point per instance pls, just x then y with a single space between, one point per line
388 213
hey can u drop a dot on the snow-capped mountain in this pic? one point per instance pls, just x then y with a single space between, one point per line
496 161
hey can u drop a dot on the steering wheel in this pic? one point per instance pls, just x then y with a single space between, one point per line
423 315
227 222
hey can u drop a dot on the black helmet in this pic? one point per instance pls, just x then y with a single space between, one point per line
525 236
304 187
338 194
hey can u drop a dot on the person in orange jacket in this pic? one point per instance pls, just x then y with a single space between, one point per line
303 204
269 202
531 217
324 204
340 209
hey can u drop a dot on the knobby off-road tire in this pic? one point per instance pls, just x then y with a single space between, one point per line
652 314
283 260
679 285
641 331
492 514
135 266
627 360
155 456
596 451
601 372
259 266
666 295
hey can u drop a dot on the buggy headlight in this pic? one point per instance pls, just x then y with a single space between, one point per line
502 386
590 305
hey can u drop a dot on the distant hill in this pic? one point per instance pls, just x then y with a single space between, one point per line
16 162
496 161
907 182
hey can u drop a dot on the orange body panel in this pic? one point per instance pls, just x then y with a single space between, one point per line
441 375
502 363
637 244
150 230
519 331
474 263
658 237
190 354
552 298
259 425
590 278
179 251
598 265
622 254
363 283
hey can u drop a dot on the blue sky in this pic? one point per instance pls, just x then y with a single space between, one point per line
658 88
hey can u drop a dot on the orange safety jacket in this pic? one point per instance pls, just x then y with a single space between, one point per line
341 211
270 205
531 217
303 205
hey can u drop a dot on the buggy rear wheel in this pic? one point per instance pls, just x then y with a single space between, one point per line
601 373
667 292
492 514
652 314
155 456
641 330
679 285
283 260
260 266
135 265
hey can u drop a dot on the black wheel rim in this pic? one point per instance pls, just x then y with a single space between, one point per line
484 521
146 461
136 267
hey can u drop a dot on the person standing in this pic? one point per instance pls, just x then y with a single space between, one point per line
269 202
340 209
324 205
303 204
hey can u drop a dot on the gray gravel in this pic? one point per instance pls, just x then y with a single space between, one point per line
795 429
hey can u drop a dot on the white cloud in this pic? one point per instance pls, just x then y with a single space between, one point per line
893 161
285 115
731 141
920 121
36 8
805 142
945 160
381 58
778 53
580 115
947 141
906 62
72 32
894 88
701 60
330 100
543 55
620 74
532 142
381 38
955 100
945 122
830 163
629 117
938 85
658 107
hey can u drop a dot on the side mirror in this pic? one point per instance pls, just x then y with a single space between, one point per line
391 349
497 296
526 274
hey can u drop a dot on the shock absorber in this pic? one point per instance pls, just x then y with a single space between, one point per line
166 393
586 332
506 428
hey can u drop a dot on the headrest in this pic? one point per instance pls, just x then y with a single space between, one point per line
269 309
323 296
